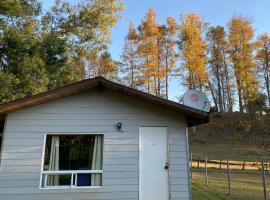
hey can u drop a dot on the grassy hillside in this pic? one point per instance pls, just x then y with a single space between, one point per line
232 136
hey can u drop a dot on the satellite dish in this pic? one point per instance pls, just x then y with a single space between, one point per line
196 99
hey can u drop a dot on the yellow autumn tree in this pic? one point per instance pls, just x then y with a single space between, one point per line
149 55
148 50
130 66
241 35
193 51
102 65
160 70
263 60
220 71
170 54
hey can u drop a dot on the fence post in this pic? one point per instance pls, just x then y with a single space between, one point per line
206 172
264 183
244 163
229 177
191 160
198 164
220 164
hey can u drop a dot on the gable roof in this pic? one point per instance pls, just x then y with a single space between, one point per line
194 116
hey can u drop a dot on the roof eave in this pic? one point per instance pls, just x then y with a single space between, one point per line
194 117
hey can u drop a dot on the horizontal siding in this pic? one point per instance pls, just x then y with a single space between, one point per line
73 196
120 175
18 176
20 155
33 135
90 112
121 154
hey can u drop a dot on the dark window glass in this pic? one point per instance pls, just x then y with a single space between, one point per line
75 152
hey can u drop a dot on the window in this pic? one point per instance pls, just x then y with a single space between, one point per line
72 161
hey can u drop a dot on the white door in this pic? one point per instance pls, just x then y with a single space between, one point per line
153 158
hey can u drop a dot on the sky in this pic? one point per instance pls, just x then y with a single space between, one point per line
215 12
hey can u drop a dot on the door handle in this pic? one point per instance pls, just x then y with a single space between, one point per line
166 166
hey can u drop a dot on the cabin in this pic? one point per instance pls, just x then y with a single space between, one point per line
95 140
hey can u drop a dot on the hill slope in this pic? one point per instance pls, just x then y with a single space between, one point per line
233 136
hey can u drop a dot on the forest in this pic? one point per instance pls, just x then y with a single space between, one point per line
42 50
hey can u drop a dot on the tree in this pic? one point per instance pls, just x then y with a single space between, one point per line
241 34
148 51
170 54
263 60
20 58
104 66
130 66
149 55
259 105
7 82
82 32
19 8
61 70
193 50
220 71
160 65
45 51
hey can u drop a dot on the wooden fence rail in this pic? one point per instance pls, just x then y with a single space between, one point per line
222 164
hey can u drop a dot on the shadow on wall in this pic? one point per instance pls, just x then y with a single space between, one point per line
2 122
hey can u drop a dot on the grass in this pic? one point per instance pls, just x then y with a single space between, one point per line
245 185
223 139
230 151
227 137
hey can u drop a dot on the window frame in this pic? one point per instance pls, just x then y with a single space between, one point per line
72 172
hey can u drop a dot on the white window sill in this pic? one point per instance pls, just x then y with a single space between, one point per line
70 188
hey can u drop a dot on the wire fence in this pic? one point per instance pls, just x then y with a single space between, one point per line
235 179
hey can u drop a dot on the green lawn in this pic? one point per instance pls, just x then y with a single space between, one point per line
245 185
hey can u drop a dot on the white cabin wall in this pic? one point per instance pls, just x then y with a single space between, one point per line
89 112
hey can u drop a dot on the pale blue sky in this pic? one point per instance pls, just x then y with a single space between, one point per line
216 12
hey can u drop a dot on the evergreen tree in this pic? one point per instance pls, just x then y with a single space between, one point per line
45 51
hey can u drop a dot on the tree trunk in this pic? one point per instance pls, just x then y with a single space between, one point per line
240 98
230 104
267 87
166 74
132 76
223 95
219 90
213 95
239 91
266 72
